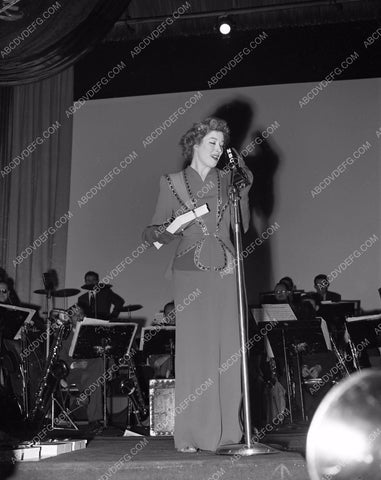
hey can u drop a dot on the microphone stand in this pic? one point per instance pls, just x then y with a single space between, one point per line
250 447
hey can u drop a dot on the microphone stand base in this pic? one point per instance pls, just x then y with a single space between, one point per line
245 450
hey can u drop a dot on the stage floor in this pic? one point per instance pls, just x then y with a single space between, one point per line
144 458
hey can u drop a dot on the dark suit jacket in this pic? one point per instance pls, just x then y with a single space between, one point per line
330 297
104 299
333 296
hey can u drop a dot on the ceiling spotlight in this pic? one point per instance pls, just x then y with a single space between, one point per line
224 25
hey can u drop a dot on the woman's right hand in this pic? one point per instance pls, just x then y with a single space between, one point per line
158 233
163 236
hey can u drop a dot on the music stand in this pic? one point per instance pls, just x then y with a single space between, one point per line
95 338
368 325
289 334
303 336
12 319
335 312
281 314
157 340
363 327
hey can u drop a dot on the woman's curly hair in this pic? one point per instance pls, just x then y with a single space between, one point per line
198 131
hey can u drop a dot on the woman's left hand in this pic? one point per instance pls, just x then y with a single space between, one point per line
247 171
250 177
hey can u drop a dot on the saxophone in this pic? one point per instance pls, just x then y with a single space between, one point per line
55 370
132 388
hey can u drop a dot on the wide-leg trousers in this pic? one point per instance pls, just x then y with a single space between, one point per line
208 361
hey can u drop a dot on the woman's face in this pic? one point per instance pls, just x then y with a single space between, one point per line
209 150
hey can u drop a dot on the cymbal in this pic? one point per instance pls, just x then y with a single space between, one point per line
131 308
99 285
41 291
65 292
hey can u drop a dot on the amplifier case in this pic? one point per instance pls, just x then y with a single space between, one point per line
162 407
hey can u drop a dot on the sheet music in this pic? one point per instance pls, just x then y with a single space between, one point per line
281 312
260 315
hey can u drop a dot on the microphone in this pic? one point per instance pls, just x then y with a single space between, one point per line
240 178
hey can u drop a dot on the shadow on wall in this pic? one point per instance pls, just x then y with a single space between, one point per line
263 163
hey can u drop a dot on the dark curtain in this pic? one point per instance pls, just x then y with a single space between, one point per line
36 141
39 38
6 97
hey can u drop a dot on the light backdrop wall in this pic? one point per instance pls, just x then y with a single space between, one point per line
316 232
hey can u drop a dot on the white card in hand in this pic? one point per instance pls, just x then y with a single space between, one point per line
183 219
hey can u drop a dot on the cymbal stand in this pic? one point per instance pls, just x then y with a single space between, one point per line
47 312
102 351
300 385
24 373
288 375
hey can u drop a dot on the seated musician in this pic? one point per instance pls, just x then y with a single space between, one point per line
97 302
4 294
321 284
10 349
303 308
169 316
289 282
4 299
12 297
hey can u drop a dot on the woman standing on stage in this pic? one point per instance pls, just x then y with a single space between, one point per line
207 329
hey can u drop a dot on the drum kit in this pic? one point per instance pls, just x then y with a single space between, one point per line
71 292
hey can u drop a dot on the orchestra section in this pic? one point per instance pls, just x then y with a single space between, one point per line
92 365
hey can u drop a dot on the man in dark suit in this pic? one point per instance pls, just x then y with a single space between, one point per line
97 302
322 294
102 303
